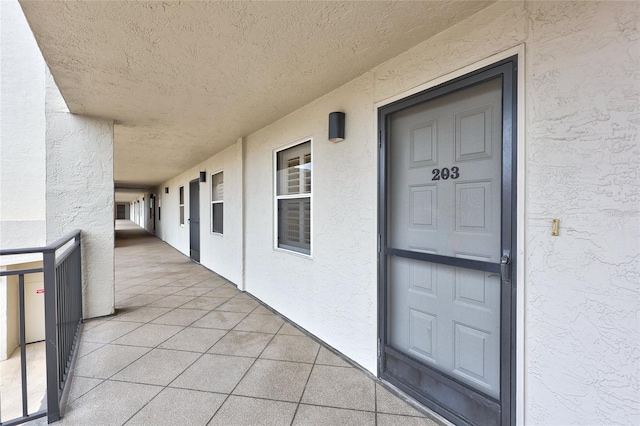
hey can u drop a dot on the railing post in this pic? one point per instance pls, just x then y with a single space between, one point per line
79 276
23 347
49 267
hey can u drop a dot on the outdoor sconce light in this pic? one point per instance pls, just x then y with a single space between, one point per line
336 126
166 189
203 176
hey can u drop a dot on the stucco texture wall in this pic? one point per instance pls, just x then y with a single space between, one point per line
332 295
582 331
22 132
583 162
579 292
221 253
581 152
80 194
335 293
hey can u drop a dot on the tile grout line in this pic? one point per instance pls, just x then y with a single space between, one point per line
163 387
255 397
248 369
193 272
375 400
149 349
229 394
178 375
306 383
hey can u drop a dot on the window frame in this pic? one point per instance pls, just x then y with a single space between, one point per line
276 198
181 212
216 202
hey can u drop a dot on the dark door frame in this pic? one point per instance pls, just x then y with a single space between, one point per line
124 211
447 388
153 201
194 254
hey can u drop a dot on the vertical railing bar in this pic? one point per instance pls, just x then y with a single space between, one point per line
60 312
53 406
79 279
65 315
63 321
60 306
63 331
23 346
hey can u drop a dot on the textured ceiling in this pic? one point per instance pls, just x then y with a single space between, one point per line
126 196
184 80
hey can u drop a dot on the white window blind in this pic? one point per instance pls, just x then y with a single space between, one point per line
293 198
217 203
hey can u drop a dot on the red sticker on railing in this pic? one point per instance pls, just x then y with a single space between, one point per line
40 291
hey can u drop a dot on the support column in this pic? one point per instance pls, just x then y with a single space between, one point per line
80 194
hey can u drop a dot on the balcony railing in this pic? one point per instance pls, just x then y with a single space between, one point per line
62 268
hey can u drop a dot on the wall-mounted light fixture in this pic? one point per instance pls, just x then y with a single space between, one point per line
166 189
203 176
336 126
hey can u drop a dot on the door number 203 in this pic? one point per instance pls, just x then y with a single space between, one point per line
445 173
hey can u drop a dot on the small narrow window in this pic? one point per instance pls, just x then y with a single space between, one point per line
181 205
293 198
217 203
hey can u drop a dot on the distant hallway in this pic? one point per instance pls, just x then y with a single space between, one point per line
186 347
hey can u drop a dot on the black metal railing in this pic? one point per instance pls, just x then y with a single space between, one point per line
62 268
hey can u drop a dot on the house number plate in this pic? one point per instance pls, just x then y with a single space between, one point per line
445 173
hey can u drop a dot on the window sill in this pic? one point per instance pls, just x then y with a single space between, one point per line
293 252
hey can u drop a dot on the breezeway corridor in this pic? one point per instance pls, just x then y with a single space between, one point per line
186 347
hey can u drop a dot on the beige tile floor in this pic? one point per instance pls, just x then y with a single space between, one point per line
187 348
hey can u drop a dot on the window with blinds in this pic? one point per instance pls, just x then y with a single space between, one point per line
217 203
293 198
181 205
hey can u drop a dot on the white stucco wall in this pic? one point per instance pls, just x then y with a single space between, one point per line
142 210
583 288
138 210
80 194
332 295
579 293
22 132
221 253
22 157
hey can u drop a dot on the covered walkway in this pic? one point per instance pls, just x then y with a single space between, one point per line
186 347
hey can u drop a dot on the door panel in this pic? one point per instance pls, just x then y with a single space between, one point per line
446 199
448 317
455 327
194 220
450 203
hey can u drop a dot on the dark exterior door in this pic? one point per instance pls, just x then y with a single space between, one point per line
194 220
152 211
446 284
121 211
